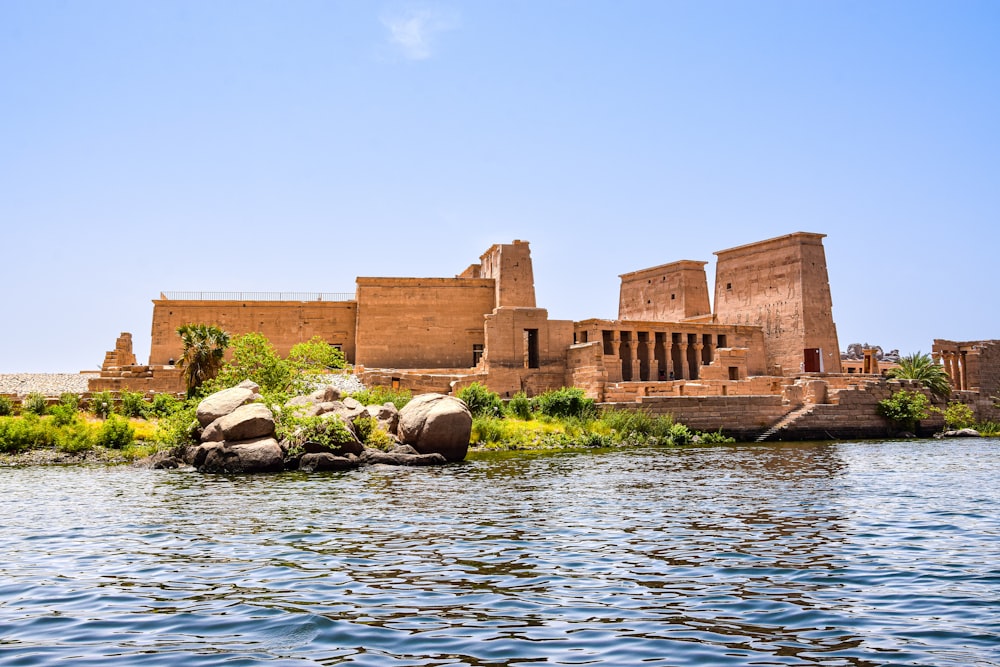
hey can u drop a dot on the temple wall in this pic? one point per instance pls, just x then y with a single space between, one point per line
782 286
284 323
668 293
421 322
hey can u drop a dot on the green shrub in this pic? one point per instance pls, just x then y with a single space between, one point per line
372 435
115 433
566 402
383 395
6 406
34 403
714 438
180 427
254 358
132 403
988 428
958 415
74 438
102 404
326 431
640 427
62 415
18 434
315 355
70 400
481 401
905 408
680 434
520 406
163 405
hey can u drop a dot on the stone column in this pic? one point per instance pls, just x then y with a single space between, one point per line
683 371
668 348
654 369
634 356
696 371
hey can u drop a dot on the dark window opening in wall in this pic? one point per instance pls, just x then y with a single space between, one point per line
673 297
722 341
608 344
734 373
477 353
531 348
729 286
395 384
337 346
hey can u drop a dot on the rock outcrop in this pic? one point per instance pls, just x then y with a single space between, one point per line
436 423
237 433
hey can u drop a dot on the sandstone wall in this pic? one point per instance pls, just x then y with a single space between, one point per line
525 351
421 322
284 323
782 286
668 293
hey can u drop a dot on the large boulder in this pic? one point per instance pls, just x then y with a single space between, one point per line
246 422
327 461
258 455
403 455
436 423
223 402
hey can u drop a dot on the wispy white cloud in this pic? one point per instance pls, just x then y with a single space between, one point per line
414 31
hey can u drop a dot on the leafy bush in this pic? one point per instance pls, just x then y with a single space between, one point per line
714 438
326 431
6 406
905 408
163 405
74 438
18 434
180 427
372 435
481 401
383 395
566 402
102 404
680 434
115 433
988 428
70 400
640 427
254 358
34 403
132 403
62 415
958 415
315 355
520 406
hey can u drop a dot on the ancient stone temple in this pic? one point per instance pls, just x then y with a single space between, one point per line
772 319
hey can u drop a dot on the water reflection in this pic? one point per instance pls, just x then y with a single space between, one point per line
834 554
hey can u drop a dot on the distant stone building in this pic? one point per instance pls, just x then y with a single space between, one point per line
773 317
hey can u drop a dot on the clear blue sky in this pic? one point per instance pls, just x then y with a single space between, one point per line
292 146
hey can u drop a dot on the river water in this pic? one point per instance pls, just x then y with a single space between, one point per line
868 554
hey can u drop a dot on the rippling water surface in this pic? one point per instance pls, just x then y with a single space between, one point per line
803 554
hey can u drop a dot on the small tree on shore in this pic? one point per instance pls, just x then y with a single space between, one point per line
921 367
204 349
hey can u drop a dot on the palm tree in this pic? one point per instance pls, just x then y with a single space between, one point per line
921 367
204 348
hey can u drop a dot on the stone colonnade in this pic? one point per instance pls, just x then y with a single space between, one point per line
955 366
650 355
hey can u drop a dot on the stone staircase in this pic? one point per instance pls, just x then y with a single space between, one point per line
785 422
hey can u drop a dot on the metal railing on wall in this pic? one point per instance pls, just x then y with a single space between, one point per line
257 296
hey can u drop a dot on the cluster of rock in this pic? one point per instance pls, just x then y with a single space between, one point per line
237 433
